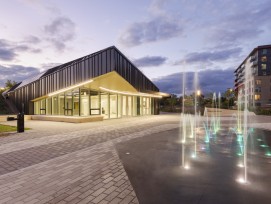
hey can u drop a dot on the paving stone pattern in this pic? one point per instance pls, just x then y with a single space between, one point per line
79 166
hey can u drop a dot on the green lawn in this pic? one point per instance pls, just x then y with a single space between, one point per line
8 128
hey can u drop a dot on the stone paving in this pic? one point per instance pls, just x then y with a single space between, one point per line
72 165
75 163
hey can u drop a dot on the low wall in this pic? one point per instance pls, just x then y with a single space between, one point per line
69 119
225 112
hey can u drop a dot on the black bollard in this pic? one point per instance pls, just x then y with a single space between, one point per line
20 122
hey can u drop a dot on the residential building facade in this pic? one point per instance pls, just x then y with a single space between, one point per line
254 76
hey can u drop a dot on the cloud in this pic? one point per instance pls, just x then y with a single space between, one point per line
211 56
160 28
209 81
16 73
9 50
157 7
60 31
241 26
32 39
149 61
6 55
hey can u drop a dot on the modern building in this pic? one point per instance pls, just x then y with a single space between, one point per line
104 83
256 68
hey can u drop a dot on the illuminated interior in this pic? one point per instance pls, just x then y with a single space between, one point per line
108 95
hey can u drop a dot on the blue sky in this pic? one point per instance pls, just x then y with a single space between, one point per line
213 36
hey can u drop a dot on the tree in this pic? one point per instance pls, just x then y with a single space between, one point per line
10 84
230 97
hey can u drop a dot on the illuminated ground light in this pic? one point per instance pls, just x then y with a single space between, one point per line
263 145
239 154
183 141
186 167
194 155
240 165
241 180
260 140
268 154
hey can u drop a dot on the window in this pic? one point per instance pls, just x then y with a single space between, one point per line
264 59
263 66
257 97
258 82
258 89
264 51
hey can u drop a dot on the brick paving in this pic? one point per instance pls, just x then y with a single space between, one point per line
77 165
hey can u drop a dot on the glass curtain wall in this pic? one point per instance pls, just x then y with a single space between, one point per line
85 102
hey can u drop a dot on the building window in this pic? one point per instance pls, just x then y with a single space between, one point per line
258 89
264 59
264 51
263 66
258 82
257 97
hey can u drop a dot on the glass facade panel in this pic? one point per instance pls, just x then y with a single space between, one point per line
134 106
144 102
94 103
138 105
68 104
37 108
49 106
55 105
105 105
43 107
129 106
119 105
84 102
124 106
148 106
76 101
113 106
61 102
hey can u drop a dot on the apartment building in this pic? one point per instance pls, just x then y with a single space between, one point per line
255 70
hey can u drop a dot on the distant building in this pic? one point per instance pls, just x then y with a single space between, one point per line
104 83
257 66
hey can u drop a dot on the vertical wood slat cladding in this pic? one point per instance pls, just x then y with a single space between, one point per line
93 65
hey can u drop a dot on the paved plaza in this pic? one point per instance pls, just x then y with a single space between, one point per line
58 162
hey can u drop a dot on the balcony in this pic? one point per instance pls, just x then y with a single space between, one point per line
255 63
253 58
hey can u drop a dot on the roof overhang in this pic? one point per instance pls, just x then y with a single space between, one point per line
110 82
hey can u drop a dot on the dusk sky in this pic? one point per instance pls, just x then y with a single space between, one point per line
211 36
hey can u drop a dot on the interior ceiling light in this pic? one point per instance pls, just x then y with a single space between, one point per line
130 93
69 88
